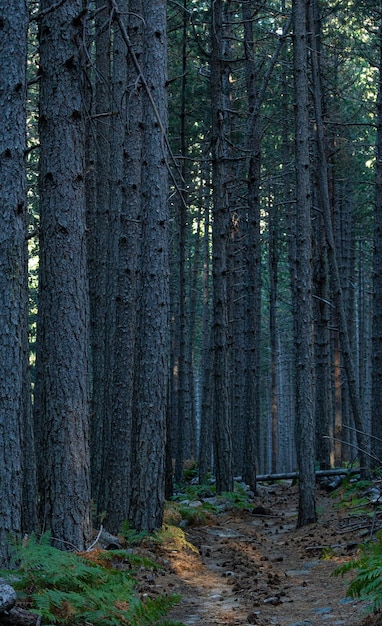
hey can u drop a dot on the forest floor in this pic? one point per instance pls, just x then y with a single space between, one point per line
255 567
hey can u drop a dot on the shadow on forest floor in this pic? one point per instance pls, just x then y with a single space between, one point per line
259 569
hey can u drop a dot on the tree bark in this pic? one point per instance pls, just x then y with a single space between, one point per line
348 360
125 211
305 428
220 230
252 261
377 275
13 264
98 253
62 384
205 439
151 356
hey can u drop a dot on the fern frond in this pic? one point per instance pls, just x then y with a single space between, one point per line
367 584
67 588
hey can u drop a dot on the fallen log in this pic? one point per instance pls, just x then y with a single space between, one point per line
19 617
319 473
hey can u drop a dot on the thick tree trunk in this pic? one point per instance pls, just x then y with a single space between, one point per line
98 253
125 234
151 356
305 428
13 264
377 276
252 262
220 230
63 334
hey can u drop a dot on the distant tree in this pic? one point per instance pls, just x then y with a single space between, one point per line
13 264
206 435
62 376
338 292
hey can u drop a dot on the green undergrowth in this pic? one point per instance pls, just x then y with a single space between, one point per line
352 498
367 583
171 534
195 504
87 588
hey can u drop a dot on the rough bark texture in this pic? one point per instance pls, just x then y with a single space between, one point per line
253 263
151 357
338 294
181 317
305 430
205 440
125 232
13 268
377 279
98 253
220 229
62 359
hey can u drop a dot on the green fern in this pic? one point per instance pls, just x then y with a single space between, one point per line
65 588
133 537
173 535
367 584
239 498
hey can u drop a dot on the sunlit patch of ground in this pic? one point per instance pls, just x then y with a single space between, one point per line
261 570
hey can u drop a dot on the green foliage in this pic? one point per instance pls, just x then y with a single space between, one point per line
238 499
66 588
132 537
209 504
367 584
173 535
351 496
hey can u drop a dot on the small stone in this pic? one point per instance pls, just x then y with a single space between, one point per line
323 610
8 597
272 600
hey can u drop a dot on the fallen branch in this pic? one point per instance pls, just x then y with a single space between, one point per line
291 475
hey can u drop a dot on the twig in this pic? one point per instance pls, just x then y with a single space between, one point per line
44 12
351 445
362 432
141 75
95 540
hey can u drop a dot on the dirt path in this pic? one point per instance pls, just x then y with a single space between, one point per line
258 569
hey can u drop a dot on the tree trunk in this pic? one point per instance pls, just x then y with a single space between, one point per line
205 439
252 261
377 276
303 288
183 389
98 252
348 360
125 213
63 335
151 356
273 280
13 263
220 230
